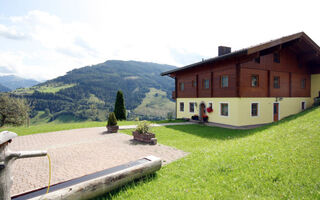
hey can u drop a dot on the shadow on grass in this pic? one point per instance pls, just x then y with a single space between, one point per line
132 184
210 132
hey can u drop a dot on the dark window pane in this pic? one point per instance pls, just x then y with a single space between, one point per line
191 107
254 81
181 106
257 60
206 84
194 83
181 86
303 83
276 57
224 109
254 109
224 81
276 82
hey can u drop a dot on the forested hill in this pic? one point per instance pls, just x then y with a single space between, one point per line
88 92
4 89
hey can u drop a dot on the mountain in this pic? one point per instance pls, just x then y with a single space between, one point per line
4 88
13 82
89 92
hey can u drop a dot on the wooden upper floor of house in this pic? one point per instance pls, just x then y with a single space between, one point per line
279 68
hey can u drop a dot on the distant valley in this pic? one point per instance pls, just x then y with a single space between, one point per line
11 82
89 93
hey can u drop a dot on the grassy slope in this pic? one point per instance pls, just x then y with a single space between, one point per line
48 88
155 103
280 161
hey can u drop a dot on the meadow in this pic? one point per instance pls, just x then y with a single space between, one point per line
278 161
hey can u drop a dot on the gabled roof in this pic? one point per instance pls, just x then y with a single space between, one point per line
258 48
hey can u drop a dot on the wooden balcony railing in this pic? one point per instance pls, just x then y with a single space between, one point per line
173 95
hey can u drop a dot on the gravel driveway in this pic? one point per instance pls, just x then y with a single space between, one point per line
76 153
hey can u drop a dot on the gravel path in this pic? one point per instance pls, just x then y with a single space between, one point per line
76 153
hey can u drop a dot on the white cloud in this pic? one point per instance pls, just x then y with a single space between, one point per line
11 33
171 32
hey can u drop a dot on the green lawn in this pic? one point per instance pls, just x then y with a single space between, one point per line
279 161
58 126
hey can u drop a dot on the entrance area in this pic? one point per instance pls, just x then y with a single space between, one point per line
275 112
202 111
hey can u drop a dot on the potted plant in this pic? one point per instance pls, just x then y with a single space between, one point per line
205 118
142 133
112 123
209 109
195 117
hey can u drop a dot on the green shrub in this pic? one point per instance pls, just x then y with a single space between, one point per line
143 127
112 120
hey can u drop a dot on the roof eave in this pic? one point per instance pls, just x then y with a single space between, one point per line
215 59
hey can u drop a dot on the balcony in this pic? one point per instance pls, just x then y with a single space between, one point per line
173 96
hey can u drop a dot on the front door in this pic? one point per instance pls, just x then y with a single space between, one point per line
202 110
275 112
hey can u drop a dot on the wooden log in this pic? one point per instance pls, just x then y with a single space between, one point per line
99 186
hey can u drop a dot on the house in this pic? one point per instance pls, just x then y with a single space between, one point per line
252 86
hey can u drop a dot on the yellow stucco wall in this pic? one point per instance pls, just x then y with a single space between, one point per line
240 109
315 85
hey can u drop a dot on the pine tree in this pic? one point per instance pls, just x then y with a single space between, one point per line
119 108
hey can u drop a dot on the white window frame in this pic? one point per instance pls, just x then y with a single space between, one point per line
208 106
258 111
194 106
220 109
305 105
184 107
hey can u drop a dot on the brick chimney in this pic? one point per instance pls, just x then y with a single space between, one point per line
222 50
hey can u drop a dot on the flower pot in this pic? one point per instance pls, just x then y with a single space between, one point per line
145 137
112 129
195 117
209 110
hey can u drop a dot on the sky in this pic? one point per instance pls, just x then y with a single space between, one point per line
42 39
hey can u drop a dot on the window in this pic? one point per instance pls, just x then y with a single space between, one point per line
254 109
254 81
303 83
257 60
209 105
224 109
191 107
224 81
303 105
276 82
181 85
206 84
194 83
181 107
276 57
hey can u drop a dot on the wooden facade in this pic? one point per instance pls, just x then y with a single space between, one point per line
281 68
